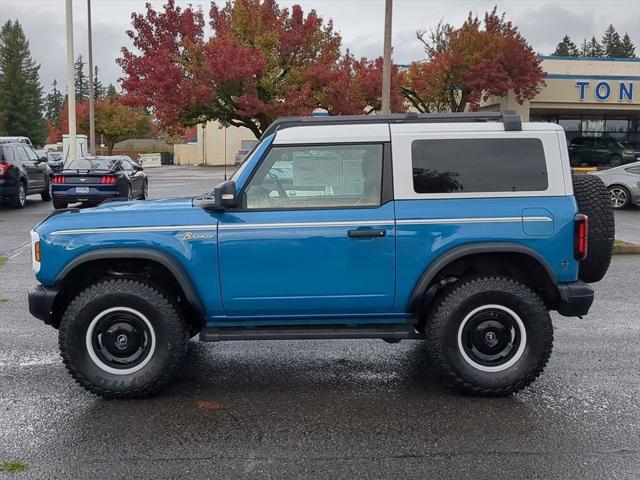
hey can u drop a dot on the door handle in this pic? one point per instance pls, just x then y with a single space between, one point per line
366 233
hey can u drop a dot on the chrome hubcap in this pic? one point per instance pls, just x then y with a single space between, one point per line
22 195
618 197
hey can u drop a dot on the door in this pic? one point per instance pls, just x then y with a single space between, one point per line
135 176
34 168
600 152
314 236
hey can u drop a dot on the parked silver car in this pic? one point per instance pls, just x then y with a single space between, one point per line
623 183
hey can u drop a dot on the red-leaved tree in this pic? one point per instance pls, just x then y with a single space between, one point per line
261 62
469 64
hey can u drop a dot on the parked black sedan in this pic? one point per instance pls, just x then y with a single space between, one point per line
91 180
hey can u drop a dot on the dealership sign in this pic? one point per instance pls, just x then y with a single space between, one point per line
605 90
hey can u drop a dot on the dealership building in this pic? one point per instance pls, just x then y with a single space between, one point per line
587 96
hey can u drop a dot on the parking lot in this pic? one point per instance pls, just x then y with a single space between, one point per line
322 409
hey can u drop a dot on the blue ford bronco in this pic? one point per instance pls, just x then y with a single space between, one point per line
462 230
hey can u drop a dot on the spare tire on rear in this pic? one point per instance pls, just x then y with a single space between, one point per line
593 201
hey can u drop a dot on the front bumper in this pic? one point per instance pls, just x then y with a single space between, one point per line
41 300
575 299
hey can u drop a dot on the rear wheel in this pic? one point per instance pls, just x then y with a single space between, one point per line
57 204
47 192
620 197
20 198
615 160
122 338
489 336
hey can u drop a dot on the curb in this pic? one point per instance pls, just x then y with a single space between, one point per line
625 248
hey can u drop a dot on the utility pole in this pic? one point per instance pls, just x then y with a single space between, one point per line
92 120
71 85
386 66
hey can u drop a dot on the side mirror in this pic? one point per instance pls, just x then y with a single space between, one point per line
43 160
137 168
224 197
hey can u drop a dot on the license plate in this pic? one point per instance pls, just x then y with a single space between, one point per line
82 189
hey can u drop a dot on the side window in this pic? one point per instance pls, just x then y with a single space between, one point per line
317 177
578 142
20 154
478 165
126 166
31 155
6 154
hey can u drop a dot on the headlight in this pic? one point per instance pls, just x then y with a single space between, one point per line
627 153
35 251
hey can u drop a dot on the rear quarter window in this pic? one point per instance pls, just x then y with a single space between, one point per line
481 165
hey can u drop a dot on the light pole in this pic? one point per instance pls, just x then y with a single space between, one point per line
92 121
386 66
71 85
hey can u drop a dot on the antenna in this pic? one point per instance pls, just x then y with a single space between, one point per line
225 154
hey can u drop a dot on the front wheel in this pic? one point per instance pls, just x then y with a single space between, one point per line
620 197
489 336
122 338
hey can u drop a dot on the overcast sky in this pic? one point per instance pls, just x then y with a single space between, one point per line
542 22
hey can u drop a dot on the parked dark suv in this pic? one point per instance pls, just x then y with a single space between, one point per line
22 173
599 150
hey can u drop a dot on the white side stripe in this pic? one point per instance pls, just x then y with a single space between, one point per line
236 226
241 226
163 228
437 221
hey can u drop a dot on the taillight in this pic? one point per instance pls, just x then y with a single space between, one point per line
108 180
58 179
4 169
580 236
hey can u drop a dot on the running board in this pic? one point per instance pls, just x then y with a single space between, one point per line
394 332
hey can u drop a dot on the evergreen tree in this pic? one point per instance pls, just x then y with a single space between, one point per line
20 89
611 43
111 91
566 48
595 49
53 103
98 89
81 80
584 48
628 49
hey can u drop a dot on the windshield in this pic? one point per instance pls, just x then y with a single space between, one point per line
92 164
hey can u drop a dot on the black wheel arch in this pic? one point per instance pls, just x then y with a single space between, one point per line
186 287
423 288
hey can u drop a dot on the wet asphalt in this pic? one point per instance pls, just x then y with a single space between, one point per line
320 409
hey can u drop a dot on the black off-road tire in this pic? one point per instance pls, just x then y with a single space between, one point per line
445 321
594 201
163 315
46 193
